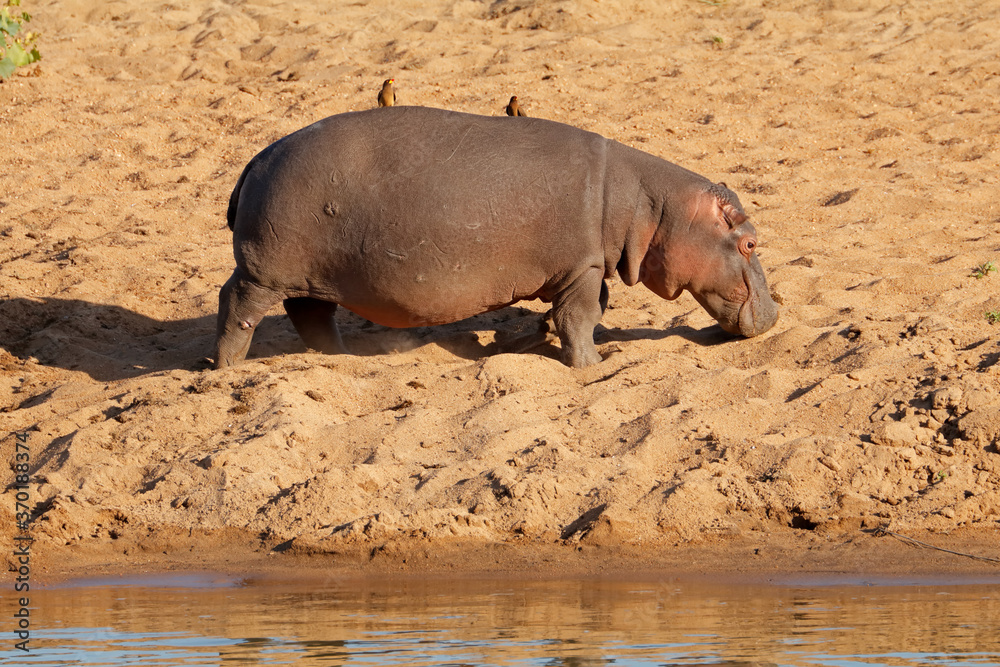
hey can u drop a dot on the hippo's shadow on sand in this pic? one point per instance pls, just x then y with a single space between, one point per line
108 342
707 337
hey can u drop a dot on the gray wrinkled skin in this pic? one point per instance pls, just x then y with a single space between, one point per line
412 216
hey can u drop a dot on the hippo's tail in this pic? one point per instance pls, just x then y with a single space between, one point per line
234 199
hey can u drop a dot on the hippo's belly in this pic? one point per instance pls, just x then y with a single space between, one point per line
424 286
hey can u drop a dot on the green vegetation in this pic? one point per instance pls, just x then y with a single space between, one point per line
17 47
993 316
984 270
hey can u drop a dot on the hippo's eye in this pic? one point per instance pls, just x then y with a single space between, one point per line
747 245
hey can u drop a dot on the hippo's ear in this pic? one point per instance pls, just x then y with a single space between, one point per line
732 215
728 207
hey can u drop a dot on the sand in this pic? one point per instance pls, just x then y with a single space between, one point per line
862 138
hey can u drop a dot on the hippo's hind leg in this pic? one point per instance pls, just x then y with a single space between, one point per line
575 312
242 305
313 319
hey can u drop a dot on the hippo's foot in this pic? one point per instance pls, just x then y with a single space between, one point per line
242 305
576 311
313 319
576 356
581 358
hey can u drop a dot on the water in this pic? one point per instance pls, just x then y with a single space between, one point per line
577 622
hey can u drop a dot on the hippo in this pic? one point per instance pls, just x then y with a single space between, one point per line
414 216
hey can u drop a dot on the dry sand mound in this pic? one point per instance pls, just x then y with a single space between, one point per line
862 139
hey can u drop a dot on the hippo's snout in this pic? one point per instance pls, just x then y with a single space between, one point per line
752 319
757 314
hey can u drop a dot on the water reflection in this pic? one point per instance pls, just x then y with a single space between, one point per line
552 623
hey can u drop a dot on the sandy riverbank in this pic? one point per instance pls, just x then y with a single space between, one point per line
862 139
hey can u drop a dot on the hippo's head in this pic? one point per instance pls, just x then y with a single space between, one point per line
705 245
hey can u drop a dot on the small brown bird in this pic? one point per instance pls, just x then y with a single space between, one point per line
386 96
514 109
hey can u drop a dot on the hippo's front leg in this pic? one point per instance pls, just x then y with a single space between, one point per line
576 311
313 319
548 326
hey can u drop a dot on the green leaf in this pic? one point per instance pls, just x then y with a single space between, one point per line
18 55
6 68
9 26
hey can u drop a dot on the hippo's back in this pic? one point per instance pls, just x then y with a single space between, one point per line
422 158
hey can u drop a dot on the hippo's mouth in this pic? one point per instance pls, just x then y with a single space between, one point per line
734 314
746 319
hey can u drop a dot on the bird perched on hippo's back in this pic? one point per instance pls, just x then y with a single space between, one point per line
514 109
387 96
